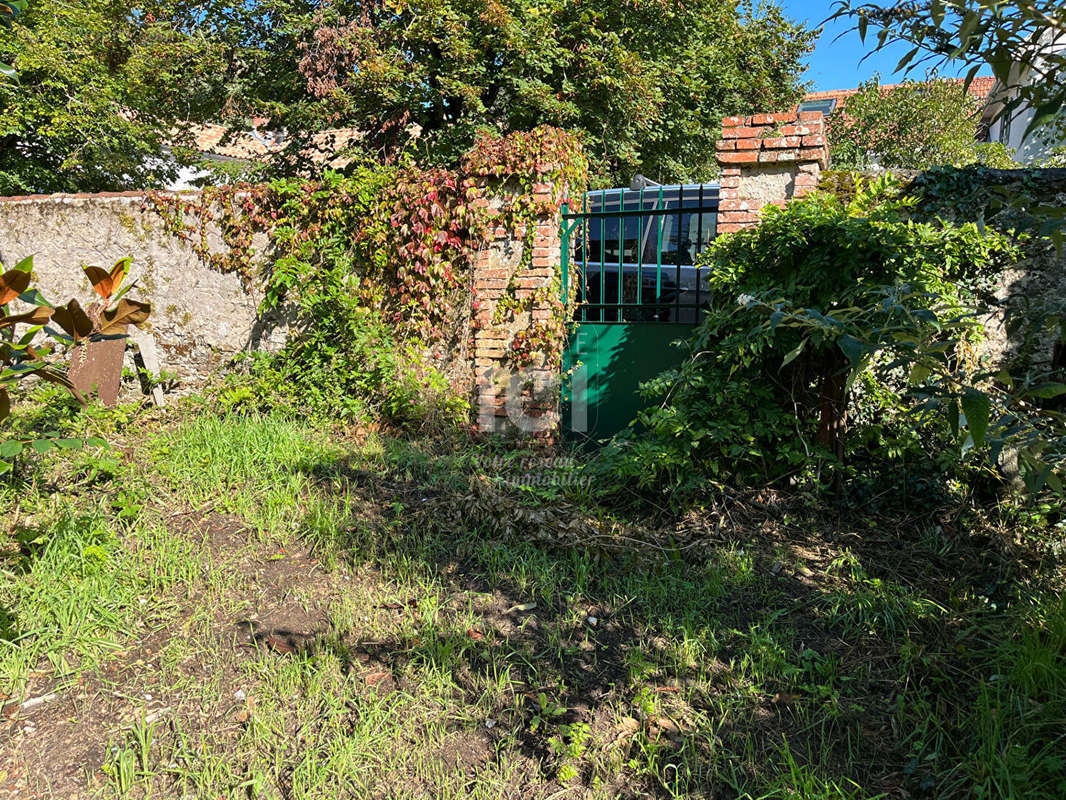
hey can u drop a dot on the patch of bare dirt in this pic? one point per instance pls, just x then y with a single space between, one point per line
55 740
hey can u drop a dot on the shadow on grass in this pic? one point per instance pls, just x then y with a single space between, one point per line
795 649
759 647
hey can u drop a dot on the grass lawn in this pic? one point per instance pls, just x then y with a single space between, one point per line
259 607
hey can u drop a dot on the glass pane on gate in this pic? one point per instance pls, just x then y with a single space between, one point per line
635 261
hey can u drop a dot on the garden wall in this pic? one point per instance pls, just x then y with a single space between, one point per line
200 317
1021 326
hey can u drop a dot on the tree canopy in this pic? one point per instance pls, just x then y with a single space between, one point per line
645 84
99 89
916 125
1021 42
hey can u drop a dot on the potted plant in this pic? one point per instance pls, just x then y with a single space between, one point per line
98 333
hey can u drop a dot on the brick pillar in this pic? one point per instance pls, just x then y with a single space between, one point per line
508 398
767 159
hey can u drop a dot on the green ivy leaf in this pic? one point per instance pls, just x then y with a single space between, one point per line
977 408
42 445
794 353
853 348
10 449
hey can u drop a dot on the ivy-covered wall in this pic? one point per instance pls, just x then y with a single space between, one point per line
463 264
1022 328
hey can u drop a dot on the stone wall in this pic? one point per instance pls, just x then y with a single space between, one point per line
200 317
1021 327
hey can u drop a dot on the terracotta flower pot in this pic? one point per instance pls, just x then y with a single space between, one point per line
96 366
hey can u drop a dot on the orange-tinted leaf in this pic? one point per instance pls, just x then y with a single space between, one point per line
127 312
39 316
277 644
73 319
13 283
785 698
118 272
100 278
374 678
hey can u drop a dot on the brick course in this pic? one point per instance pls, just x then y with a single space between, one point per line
767 159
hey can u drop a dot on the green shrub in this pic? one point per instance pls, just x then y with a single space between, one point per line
787 379
344 363
346 357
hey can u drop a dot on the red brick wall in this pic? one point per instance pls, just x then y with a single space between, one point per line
509 399
757 153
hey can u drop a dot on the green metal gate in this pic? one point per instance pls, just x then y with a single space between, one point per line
629 257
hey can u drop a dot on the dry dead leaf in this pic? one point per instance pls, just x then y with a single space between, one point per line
664 727
374 678
278 645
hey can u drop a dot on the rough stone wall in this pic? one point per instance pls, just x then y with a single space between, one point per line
1021 326
510 399
767 159
1022 331
200 317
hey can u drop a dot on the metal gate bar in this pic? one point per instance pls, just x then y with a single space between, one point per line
611 289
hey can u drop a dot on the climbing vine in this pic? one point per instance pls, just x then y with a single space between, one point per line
536 170
401 239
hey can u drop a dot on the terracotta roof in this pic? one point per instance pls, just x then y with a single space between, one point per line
255 145
980 88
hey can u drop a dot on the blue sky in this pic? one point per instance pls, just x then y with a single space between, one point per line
835 64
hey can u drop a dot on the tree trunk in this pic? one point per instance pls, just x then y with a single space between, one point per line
833 402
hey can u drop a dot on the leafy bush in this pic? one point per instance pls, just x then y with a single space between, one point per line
345 363
878 127
29 353
348 355
790 376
